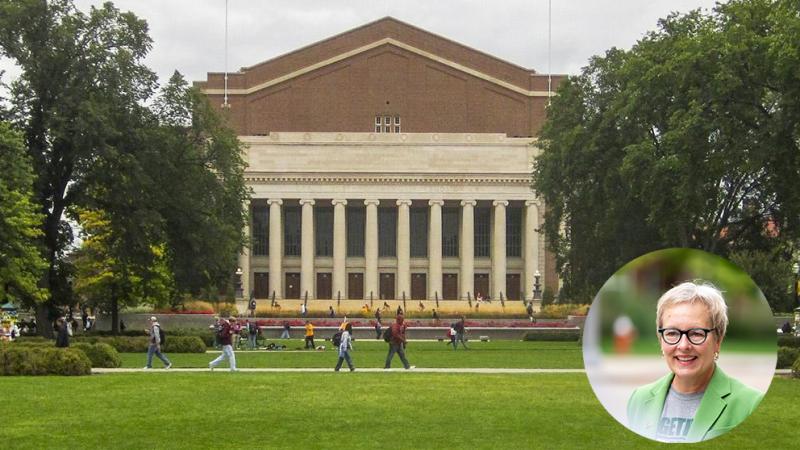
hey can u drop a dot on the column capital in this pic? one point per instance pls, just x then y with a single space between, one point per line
307 201
337 201
536 203
435 202
276 201
402 202
372 201
468 203
500 203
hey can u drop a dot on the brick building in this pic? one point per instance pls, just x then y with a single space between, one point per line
389 162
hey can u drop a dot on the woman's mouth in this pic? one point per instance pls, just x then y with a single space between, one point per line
685 360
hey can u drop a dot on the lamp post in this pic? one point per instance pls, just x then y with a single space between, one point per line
537 286
796 272
238 281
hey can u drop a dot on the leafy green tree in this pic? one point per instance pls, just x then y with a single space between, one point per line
166 177
21 266
105 277
689 139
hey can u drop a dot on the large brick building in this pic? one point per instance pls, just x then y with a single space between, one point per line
389 162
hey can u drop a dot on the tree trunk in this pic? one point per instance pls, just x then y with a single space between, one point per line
43 323
114 312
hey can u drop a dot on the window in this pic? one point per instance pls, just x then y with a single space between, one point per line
482 232
387 231
355 230
418 218
387 124
260 234
323 230
291 230
450 224
514 232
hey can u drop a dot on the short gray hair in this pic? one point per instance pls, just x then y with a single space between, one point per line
704 293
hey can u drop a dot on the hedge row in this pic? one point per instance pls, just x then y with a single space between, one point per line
27 360
550 335
100 354
125 344
789 341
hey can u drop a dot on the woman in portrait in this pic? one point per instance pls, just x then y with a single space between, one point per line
696 400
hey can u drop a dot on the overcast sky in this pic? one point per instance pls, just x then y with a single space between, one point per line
189 35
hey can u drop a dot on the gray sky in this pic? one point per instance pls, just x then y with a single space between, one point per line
189 35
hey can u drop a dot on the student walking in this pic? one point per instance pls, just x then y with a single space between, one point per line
397 343
155 345
345 346
225 335
460 332
310 335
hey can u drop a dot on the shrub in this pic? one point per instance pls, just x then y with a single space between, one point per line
185 344
561 311
567 334
36 360
796 368
125 344
100 354
789 341
228 310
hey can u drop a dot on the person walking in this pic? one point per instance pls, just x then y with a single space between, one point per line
397 343
155 345
286 329
252 334
378 327
460 332
309 335
225 336
62 338
345 346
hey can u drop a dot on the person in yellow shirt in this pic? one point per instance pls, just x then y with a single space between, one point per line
310 335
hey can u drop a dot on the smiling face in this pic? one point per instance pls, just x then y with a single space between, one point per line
693 365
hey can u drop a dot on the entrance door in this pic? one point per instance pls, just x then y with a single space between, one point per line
450 286
355 286
324 285
261 285
419 284
481 285
512 286
292 285
387 286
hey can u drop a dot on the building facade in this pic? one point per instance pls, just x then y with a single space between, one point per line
389 163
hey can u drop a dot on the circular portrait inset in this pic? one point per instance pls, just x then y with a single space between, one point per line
680 345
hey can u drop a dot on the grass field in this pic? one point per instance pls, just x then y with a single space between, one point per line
372 353
400 409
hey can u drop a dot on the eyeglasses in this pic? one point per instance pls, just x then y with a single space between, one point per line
696 336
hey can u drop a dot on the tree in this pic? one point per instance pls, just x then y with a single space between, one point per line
21 266
689 139
166 178
82 78
107 278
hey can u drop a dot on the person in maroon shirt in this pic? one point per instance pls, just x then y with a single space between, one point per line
397 343
225 338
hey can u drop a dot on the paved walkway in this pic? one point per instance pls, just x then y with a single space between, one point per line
330 369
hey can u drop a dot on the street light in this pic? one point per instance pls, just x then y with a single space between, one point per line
239 290
537 286
796 272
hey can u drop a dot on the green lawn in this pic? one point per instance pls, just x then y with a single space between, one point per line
328 410
372 353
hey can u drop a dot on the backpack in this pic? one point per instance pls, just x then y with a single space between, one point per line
337 338
161 335
387 334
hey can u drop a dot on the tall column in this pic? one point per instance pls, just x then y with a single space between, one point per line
371 250
403 249
339 248
244 256
531 245
307 250
435 250
499 249
467 248
275 248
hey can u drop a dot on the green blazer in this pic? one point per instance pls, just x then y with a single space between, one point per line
725 404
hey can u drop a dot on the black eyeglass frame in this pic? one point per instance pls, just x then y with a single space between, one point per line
685 332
